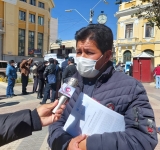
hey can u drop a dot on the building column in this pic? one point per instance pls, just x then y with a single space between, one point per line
26 33
36 32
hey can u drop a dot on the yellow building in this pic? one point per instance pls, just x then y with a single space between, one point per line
24 27
135 35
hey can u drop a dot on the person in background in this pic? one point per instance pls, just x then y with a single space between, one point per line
25 70
50 71
58 78
40 70
70 69
131 70
20 124
115 90
65 63
119 67
11 74
157 74
35 77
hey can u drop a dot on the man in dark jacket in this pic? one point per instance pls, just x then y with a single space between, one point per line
120 92
65 63
11 74
51 69
70 69
14 126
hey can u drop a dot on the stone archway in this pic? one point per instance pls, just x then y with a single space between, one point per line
126 56
149 51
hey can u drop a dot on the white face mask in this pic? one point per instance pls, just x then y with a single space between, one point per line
86 67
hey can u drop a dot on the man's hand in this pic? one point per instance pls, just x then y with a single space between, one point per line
83 145
74 143
46 115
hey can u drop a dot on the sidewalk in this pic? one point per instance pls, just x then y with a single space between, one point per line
38 141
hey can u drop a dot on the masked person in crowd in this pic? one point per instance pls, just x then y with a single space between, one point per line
50 74
11 74
20 124
25 70
70 69
35 77
98 79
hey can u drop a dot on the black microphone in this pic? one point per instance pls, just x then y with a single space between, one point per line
71 82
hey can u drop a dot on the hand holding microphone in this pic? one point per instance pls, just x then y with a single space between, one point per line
73 82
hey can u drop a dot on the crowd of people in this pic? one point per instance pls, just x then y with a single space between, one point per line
47 76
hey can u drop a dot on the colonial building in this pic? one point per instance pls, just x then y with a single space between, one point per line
63 48
135 35
24 28
69 46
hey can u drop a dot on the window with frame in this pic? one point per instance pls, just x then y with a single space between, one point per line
33 2
129 31
32 18
40 20
21 42
149 30
31 37
40 42
23 0
40 4
22 15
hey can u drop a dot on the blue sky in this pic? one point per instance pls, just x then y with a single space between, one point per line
70 22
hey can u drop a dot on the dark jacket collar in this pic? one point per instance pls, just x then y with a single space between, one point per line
103 77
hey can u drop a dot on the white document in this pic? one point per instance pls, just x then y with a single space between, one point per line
90 117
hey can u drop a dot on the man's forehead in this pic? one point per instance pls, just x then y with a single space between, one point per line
86 43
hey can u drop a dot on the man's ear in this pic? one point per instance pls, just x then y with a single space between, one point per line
106 57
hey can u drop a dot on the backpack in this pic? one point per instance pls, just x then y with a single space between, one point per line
52 77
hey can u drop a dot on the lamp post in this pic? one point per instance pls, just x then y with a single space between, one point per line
91 12
70 10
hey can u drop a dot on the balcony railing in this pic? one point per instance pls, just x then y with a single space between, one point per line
128 41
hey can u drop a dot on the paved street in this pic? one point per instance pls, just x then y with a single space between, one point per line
38 140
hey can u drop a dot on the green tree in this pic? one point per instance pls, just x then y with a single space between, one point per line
150 12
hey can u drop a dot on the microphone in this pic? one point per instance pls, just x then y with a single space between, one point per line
71 82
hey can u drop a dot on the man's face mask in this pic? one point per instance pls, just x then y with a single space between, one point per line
86 67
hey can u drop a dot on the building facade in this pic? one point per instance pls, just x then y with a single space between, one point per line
25 28
63 48
53 30
135 35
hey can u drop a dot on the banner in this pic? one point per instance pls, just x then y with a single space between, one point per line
37 52
34 51
14 2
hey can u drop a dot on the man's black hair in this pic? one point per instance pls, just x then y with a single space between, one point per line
99 33
11 61
51 61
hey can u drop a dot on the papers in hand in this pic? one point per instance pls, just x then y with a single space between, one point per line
90 117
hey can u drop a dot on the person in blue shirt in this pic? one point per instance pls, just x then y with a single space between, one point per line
12 76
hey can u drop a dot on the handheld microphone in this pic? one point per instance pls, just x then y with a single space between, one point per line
71 82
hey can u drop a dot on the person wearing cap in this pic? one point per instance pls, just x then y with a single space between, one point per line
11 73
70 69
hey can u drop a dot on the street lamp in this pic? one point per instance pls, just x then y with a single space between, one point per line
70 10
91 12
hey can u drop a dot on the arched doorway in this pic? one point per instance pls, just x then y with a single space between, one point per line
126 56
149 51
